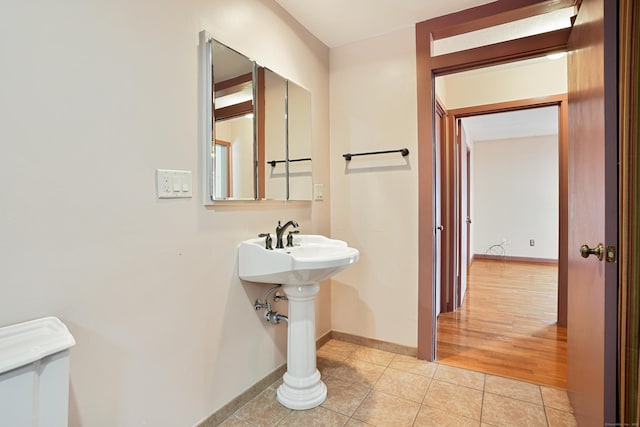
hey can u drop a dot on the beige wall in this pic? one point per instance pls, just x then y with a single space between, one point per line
522 80
374 202
95 96
374 199
515 188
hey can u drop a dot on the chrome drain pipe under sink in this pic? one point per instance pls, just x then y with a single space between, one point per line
271 316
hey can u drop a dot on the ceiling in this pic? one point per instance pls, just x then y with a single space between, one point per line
338 22
512 124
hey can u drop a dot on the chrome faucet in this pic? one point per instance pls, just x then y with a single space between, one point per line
280 229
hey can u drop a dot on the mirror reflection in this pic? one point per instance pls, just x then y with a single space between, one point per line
260 130
299 142
233 147
272 135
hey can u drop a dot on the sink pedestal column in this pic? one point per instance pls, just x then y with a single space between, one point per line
301 387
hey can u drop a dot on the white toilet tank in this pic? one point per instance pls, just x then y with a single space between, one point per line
34 373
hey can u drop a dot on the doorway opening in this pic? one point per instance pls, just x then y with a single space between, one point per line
430 65
506 176
524 218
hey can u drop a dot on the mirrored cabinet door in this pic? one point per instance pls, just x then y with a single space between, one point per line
233 127
272 135
258 129
299 142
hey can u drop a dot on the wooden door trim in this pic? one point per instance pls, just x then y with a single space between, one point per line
498 53
485 16
468 203
491 14
446 301
229 165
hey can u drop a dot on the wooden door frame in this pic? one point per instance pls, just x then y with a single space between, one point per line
467 220
461 269
229 164
446 292
427 68
453 174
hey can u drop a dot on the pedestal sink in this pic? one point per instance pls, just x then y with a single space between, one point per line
299 269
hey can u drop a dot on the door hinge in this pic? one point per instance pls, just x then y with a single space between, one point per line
612 254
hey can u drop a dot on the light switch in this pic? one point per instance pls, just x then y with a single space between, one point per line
318 192
173 184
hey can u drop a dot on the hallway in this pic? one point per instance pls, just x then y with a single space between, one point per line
507 324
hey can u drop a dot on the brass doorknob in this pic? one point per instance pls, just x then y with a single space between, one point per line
598 251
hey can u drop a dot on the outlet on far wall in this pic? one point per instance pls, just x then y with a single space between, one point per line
532 242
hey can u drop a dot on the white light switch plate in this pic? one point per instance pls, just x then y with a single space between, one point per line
173 184
318 192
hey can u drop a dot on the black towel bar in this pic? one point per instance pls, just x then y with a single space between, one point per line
273 162
403 151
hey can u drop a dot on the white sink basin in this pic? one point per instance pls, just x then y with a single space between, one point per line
312 259
298 269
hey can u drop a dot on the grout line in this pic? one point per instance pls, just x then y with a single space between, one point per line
360 404
482 402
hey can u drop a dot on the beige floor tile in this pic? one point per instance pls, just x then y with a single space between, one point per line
326 364
454 399
377 388
513 388
356 371
403 384
373 355
316 417
556 398
504 411
413 365
460 376
432 417
382 410
263 410
234 422
337 349
339 357
342 396
557 418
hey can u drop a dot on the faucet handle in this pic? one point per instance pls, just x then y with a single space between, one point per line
290 237
268 241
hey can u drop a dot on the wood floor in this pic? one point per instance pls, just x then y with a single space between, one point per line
507 324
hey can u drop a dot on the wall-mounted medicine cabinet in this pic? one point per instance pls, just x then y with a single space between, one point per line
257 132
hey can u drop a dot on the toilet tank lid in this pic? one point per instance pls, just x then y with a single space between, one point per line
26 342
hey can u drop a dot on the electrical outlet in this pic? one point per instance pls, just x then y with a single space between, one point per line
165 183
532 242
173 184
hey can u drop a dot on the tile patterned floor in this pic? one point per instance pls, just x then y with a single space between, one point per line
369 387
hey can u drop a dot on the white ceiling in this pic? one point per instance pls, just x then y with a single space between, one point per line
512 124
338 22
